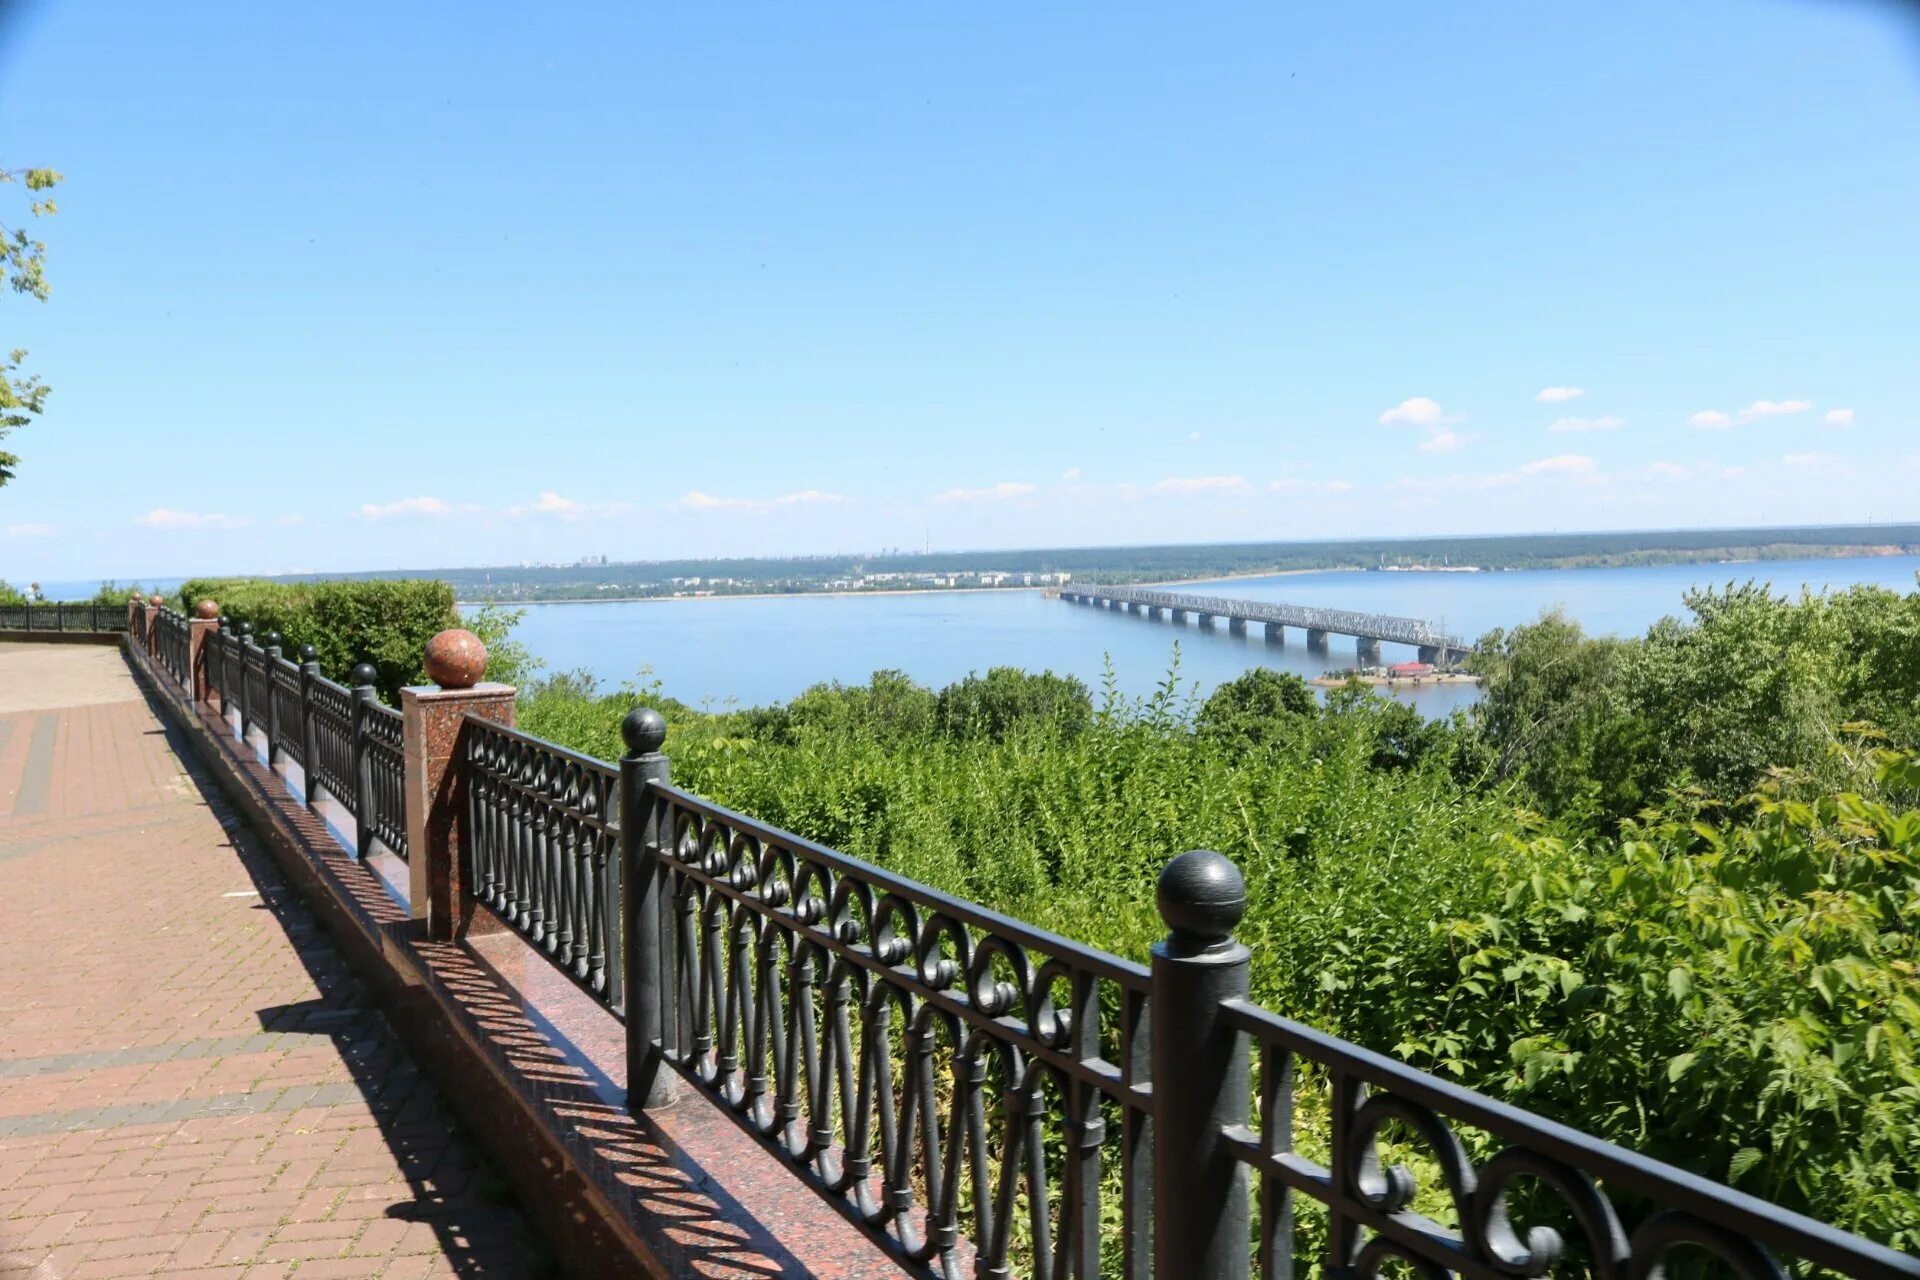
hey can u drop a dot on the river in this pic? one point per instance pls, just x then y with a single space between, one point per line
717 652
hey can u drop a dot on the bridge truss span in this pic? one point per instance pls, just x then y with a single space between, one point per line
1368 628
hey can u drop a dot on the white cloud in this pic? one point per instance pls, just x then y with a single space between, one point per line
1773 409
1559 395
993 493
404 507
1337 486
698 501
1670 470
1186 486
1565 464
1193 437
1418 412
167 518
31 531
1586 424
1070 475
1710 420
290 520
1839 418
1444 441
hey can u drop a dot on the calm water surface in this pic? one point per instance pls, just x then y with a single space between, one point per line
717 651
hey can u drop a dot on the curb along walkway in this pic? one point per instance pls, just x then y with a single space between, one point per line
191 1081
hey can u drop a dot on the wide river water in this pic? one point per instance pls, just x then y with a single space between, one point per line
716 652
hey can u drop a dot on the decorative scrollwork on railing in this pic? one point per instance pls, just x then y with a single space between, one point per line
384 751
331 706
545 848
1373 1208
254 679
284 680
944 1073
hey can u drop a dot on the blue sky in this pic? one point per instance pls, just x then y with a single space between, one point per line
356 286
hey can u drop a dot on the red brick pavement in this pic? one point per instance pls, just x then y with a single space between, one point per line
191 1082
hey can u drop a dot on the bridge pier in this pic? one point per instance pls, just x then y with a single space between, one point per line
1155 613
1236 626
1316 641
1276 633
1179 617
1367 650
1206 622
1429 654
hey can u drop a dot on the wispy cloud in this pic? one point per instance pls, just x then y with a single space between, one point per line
31 531
404 507
1420 411
1295 484
1186 486
1572 467
1816 463
1559 395
698 501
1715 420
552 504
1445 440
1586 424
168 518
1839 418
1070 476
992 493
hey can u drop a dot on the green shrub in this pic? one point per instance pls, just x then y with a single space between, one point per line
1007 698
387 623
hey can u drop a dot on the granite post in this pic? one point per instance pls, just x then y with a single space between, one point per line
200 629
150 615
436 785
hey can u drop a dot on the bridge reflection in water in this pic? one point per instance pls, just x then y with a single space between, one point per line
1367 629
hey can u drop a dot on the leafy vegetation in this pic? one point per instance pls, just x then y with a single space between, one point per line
23 267
1663 889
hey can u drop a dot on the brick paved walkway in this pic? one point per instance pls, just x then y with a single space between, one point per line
191 1082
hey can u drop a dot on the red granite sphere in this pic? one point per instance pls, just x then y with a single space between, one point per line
206 609
456 659
156 600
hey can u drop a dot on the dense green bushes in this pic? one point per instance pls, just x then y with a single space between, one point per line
385 623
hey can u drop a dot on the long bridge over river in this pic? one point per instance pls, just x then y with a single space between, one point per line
1367 629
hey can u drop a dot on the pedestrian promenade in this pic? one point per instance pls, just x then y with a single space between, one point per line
192 1083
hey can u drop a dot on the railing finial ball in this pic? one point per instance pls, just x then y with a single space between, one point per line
271 640
156 600
456 659
246 629
363 674
1201 897
308 653
206 609
644 730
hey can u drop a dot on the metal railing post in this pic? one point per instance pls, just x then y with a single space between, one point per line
1202 1081
222 636
639 901
247 650
309 733
272 646
363 697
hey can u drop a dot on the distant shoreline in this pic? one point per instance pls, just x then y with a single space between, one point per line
757 595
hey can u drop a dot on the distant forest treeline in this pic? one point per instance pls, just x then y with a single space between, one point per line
1158 563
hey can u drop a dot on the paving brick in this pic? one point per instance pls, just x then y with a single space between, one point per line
211 1095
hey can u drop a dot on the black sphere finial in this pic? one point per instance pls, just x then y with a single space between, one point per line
644 730
1202 895
271 640
363 674
308 653
246 629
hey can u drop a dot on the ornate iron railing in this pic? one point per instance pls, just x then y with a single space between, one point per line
545 849
331 707
171 646
986 1098
286 722
256 704
383 760
70 615
970 1088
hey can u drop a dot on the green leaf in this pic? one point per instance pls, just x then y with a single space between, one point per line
1680 982
1743 1160
1680 1064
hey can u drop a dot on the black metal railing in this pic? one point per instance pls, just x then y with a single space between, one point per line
285 685
987 1098
172 646
546 855
331 707
72 615
384 772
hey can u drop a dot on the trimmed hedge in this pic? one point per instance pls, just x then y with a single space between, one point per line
387 623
